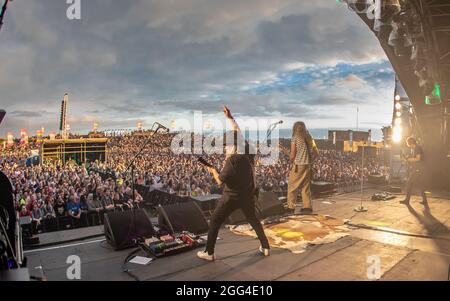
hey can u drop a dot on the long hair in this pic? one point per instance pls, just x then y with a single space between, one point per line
299 130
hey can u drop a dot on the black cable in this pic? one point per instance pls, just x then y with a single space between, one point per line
125 270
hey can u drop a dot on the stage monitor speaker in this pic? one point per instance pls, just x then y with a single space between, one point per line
377 179
123 227
238 217
269 205
321 188
187 216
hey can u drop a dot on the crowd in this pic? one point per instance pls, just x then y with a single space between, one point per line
54 190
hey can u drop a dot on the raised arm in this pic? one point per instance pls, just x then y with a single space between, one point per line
230 118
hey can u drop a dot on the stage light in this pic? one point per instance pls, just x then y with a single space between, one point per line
397 134
397 97
398 114
435 96
398 106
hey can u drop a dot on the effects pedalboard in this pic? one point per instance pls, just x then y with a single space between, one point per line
172 244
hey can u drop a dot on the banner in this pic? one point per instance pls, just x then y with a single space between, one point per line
10 139
39 136
23 137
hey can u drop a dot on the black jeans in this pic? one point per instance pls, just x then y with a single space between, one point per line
225 208
414 178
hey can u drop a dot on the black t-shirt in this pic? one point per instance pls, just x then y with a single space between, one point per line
237 175
60 209
418 150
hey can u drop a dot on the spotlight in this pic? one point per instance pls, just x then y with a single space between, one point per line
435 96
397 97
397 134
398 114
398 106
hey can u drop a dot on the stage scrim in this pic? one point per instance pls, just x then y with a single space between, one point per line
78 150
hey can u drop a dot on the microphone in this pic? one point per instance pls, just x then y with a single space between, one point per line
277 123
160 126
2 115
204 162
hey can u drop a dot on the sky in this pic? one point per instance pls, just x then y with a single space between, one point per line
160 60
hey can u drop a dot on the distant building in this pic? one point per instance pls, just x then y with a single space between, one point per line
348 135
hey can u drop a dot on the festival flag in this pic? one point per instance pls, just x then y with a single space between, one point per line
23 137
10 139
39 136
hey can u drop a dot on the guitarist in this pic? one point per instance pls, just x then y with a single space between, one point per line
303 152
415 161
238 178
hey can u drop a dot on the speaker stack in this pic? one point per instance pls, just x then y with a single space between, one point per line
122 228
267 205
186 216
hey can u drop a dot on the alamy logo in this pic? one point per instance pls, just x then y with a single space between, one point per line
74 10
73 272
374 267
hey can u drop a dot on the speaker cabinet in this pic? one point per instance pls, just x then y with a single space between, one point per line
186 216
123 227
238 217
269 205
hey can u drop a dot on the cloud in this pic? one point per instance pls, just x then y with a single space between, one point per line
151 59
24 113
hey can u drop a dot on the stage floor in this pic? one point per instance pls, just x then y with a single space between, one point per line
412 243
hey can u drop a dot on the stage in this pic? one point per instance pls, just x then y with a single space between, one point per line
412 243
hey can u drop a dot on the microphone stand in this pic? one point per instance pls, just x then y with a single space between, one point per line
270 130
131 166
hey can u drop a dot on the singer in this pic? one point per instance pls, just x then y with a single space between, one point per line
303 152
238 179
